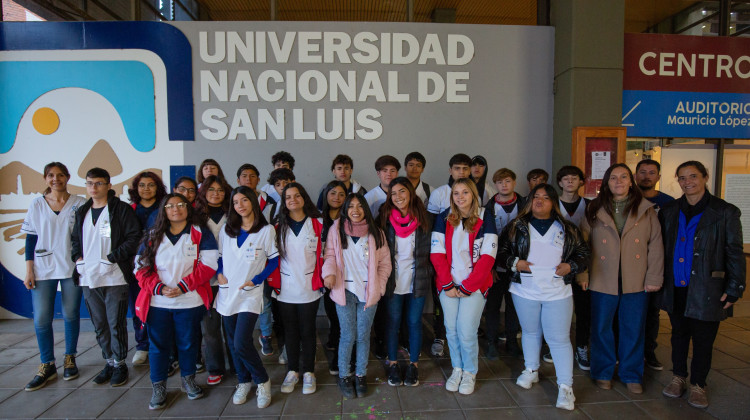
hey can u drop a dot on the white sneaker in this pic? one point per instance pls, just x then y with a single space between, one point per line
282 356
240 395
467 383
527 378
565 398
308 383
290 381
452 383
264 394
140 357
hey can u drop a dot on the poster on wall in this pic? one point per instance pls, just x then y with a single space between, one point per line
134 96
686 86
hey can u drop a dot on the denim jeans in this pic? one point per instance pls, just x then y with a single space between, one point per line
168 326
265 320
631 322
462 316
395 306
239 328
356 323
552 320
43 298
139 327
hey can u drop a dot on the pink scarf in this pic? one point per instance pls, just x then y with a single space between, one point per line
356 230
398 221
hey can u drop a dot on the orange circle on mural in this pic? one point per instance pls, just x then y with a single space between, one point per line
45 121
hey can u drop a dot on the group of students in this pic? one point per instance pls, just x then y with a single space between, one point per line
207 256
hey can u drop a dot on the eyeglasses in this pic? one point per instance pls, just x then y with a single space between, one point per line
150 185
180 206
183 190
97 184
216 190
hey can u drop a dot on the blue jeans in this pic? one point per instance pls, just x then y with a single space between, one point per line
247 362
552 320
356 323
462 316
43 298
395 307
631 313
265 320
169 326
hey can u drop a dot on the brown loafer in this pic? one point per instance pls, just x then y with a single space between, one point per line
697 397
676 388
634 387
604 383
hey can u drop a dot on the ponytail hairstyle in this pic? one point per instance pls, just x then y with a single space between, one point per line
48 167
372 227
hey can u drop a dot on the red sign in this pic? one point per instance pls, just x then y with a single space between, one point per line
686 63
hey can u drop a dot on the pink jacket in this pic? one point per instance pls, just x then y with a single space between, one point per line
378 268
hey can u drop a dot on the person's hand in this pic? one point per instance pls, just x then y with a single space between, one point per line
30 280
724 299
461 294
249 284
583 283
171 292
562 270
652 288
330 282
523 265
222 279
452 293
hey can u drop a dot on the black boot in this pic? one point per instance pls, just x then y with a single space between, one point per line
47 372
346 385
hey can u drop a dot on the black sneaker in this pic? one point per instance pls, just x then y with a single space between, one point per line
547 357
412 375
105 375
172 368
491 351
191 388
200 365
119 375
46 372
266 346
582 358
346 385
652 362
394 375
158 395
70 369
360 385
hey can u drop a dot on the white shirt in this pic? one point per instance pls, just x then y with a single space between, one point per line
578 215
422 193
461 258
173 263
489 192
95 269
545 253
404 267
298 266
502 218
241 264
375 198
52 255
271 191
215 228
440 199
356 258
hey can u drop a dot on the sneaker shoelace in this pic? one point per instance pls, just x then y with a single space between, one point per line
70 361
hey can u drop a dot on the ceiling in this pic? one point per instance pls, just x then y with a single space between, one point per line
639 14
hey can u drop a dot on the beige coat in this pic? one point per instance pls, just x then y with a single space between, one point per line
640 251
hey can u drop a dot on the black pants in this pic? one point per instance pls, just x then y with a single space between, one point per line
334 333
652 324
278 321
703 334
582 302
299 326
438 323
495 296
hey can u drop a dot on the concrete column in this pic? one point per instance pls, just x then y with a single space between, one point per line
588 69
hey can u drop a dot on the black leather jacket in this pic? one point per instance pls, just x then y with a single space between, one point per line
718 259
576 251
424 272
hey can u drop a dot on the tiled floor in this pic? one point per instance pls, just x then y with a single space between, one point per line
496 395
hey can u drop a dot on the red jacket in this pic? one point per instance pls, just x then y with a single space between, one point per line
198 280
317 280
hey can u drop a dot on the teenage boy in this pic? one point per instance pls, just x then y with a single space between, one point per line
414 164
647 174
279 160
248 176
573 208
104 242
386 168
537 176
507 204
279 178
342 167
440 200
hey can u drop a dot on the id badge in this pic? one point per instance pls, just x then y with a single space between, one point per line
105 230
250 253
365 252
191 251
559 239
312 244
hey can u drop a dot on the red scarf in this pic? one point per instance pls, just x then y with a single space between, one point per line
506 203
399 221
